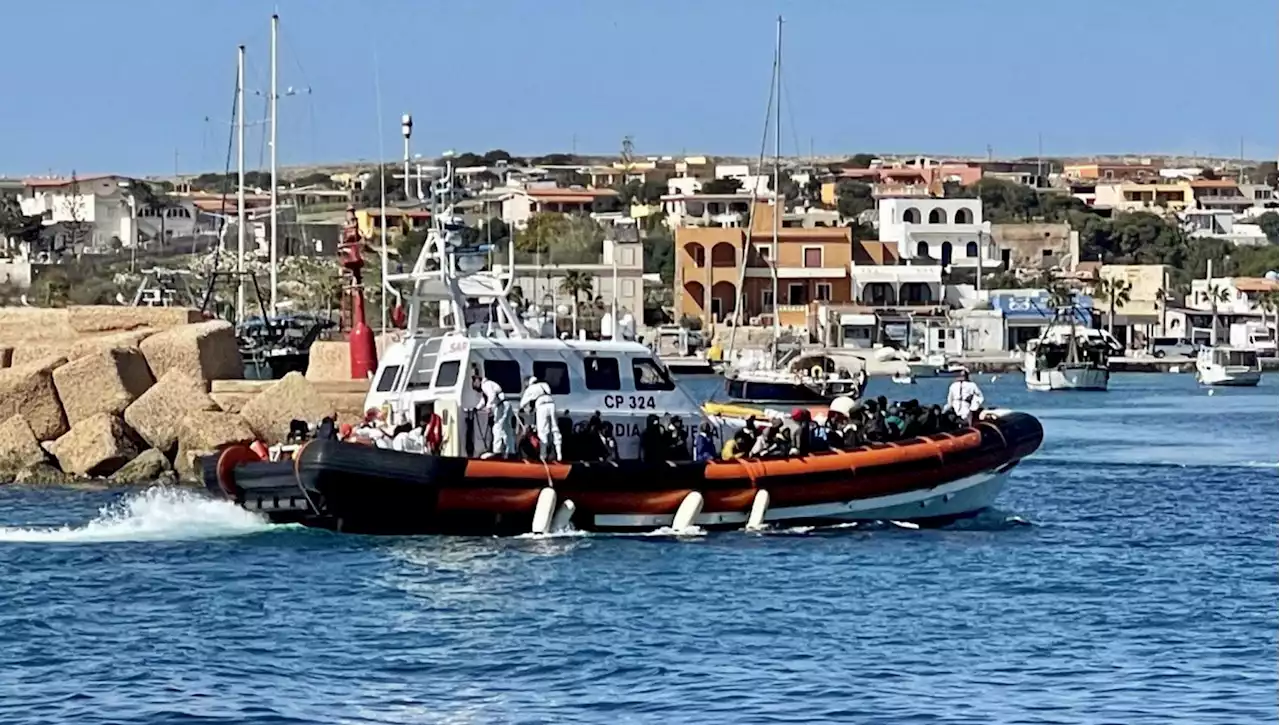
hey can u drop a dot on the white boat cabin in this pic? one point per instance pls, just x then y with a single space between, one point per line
622 381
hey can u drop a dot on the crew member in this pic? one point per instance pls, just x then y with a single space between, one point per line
503 419
537 397
964 398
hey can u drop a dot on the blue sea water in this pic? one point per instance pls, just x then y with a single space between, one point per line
1142 590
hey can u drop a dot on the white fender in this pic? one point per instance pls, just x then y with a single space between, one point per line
759 507
544 510
564 516
689 509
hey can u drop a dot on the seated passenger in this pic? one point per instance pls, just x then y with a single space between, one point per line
704 447
842 432
894 423
739 446
873 427
678 440
653 440
770 443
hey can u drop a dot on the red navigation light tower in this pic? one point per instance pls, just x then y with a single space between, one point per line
364 352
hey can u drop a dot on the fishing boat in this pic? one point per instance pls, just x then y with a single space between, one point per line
798 378
462 489
1069 355
1228 366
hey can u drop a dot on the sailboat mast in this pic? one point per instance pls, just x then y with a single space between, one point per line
777 190
240 212
275 182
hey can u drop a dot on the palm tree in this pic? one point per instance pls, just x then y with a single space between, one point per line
1216 295
1116 292
576 282
1270 303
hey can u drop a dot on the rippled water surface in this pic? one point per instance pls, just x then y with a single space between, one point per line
1144 590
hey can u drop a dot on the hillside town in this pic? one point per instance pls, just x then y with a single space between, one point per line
956 256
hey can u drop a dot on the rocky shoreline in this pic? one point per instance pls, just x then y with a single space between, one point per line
131 395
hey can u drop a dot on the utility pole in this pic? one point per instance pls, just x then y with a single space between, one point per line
240 215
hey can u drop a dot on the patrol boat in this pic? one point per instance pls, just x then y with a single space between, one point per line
361 488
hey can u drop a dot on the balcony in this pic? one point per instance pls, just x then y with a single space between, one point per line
799 272
867 274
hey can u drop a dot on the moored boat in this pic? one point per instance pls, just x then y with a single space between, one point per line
1069 356
1228 366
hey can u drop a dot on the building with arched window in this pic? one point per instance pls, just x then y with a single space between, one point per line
949 232
812 269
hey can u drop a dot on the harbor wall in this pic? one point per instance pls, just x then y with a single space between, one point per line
137 394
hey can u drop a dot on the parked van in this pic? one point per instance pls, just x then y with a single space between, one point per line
1172 346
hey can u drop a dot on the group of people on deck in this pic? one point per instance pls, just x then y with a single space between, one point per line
852 423
849 424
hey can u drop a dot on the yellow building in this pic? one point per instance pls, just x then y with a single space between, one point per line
1134 196
369 221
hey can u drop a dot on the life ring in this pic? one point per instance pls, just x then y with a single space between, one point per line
817 372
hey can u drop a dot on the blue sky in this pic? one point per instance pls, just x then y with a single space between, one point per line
122 87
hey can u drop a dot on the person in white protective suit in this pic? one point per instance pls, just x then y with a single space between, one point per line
497 411
537 396
503 419
965 399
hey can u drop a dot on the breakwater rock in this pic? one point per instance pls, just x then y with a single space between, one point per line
137 394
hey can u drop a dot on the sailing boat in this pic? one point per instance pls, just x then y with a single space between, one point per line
798 376
1068 356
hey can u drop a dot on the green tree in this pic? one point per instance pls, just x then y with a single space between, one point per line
16 226
577 282
315 178
722 186
1116 293
659 254
853 198
1217 295
790 189
859 161
1268 222
541 230
1270 304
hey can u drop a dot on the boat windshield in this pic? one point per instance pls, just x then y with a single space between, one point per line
1236 358
771 391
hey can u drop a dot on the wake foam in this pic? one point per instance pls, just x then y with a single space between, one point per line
159 513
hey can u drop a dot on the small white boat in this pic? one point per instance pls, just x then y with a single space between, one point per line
907 379
1069 356
1223 365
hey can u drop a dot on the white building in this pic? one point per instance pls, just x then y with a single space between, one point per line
1222 224
950 231
107 208
1243 295
542 286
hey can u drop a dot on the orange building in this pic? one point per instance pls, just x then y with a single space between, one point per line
812 268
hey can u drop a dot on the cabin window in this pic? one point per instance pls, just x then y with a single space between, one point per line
505 373
735 389
447 375
601 373
387 380
650 376
554 374
421 376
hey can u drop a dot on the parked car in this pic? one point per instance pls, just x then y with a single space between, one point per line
1175 346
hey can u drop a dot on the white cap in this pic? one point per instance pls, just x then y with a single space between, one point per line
842 405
